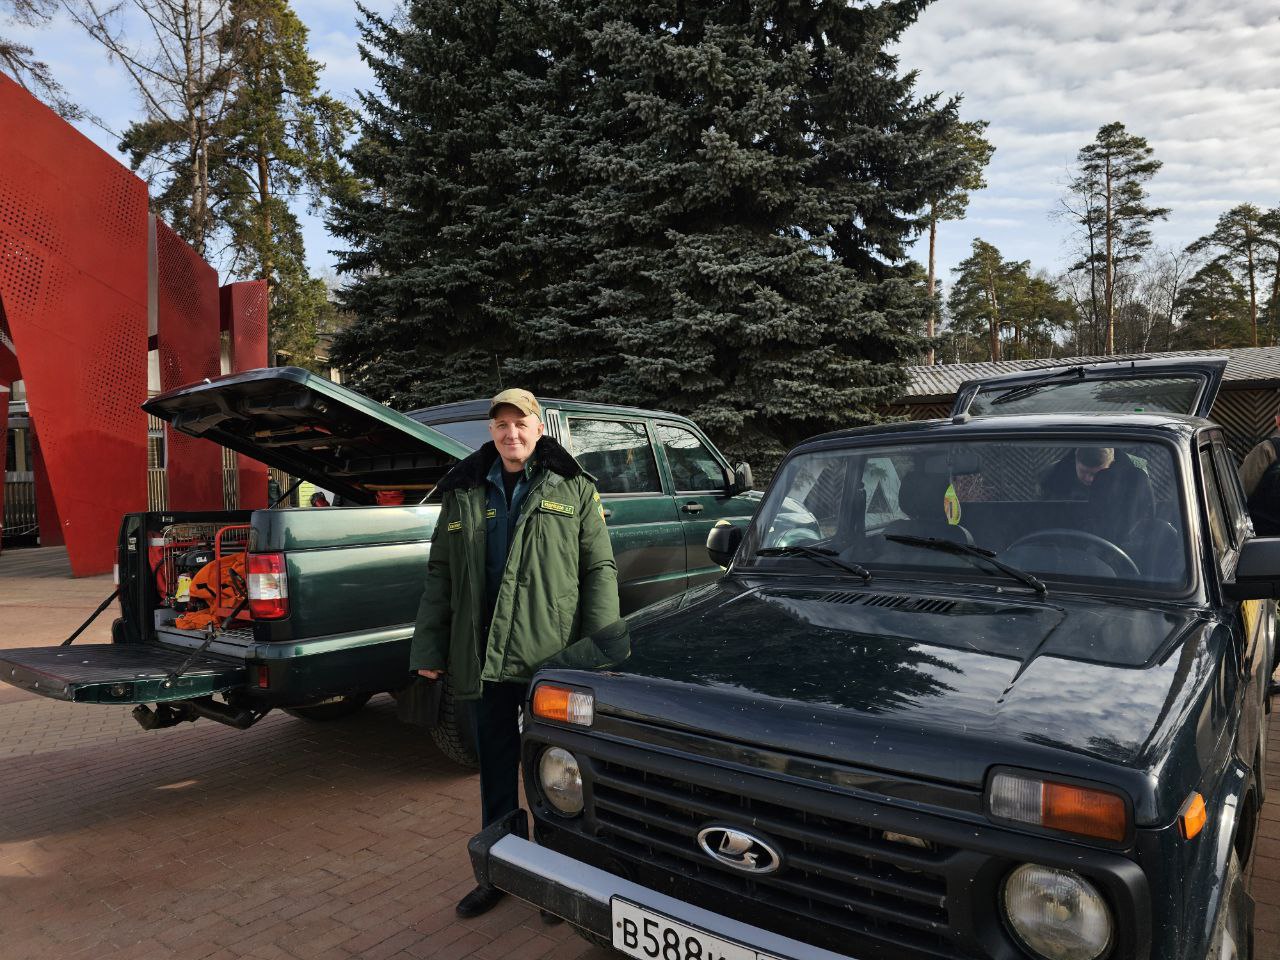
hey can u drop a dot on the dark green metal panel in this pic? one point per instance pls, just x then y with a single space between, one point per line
117 673
648 547
355 589
310 529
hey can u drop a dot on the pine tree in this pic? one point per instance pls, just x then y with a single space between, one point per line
1107 199
1001 302
697 206
973 152
281 137
1213 309
1238 236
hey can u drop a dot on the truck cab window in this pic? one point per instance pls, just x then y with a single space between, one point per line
693 468
617 453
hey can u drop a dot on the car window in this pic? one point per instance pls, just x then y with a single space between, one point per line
1232 492
814 506
1099 515
1119 395
1216 513
474 433
881 484
617 453
693 468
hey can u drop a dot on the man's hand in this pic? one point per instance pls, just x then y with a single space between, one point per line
431 674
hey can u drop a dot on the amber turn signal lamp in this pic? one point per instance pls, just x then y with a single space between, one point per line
1192 817
563 704
1092 813
1082 811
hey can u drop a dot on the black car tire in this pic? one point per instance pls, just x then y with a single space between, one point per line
453 733
334 709
1233 931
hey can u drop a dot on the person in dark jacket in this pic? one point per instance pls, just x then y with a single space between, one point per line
1118 491
1260 478
521 567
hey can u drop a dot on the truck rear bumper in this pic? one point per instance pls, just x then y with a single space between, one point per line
584 895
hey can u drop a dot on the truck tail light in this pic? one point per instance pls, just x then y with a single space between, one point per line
1059 806
268 586
563 704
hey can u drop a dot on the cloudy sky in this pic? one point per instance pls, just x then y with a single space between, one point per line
1196 77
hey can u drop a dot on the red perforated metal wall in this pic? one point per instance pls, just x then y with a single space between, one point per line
73 278
244 316
4 447
187 337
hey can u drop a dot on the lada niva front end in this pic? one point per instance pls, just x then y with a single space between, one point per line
941 705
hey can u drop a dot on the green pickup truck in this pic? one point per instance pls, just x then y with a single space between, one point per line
332 593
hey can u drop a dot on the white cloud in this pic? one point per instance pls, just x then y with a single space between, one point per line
1194 77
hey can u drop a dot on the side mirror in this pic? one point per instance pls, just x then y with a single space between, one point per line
723 542
1257 572
742 480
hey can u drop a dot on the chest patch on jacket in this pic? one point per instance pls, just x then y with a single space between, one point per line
564 509
455 526
490 514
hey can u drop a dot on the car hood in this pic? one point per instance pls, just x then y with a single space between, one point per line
313 429
940 687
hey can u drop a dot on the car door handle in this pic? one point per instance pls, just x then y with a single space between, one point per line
692 508
606 512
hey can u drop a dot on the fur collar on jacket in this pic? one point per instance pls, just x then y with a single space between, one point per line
472 471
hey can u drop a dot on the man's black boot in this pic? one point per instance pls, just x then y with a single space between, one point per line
480 900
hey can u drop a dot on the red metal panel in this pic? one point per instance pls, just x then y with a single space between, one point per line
244 315
187 335
51 531
4 448
73 278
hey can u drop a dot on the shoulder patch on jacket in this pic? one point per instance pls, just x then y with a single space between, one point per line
455 526
564 509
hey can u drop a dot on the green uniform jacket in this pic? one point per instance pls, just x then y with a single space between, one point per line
559 584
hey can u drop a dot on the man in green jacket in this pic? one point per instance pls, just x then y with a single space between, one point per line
521 567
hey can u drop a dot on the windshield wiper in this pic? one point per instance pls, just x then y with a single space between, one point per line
821 554
1033 386
968 550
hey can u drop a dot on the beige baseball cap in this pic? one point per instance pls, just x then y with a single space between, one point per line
522 400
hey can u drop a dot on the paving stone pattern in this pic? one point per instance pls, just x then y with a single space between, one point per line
289 841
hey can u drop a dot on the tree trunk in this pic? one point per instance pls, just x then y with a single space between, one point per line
1109 277
993 323
933 244
1253 287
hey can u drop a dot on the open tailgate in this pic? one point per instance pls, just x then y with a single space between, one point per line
313 429
1182 385
116 673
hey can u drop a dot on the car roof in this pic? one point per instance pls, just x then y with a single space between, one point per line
479 410
1023 424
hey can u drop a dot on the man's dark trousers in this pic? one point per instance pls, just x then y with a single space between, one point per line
497 727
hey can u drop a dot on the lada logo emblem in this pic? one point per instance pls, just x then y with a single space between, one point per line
739 849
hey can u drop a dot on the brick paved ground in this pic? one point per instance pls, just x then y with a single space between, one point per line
289 840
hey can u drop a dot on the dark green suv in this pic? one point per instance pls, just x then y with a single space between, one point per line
332 593
987 687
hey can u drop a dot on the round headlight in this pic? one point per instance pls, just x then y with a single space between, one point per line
561 780
1056 914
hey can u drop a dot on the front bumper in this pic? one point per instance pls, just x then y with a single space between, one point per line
502 855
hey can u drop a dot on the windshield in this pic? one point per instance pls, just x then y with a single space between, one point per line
1106 515
1072 395
474 433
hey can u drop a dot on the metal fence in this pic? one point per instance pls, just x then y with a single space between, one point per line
20 518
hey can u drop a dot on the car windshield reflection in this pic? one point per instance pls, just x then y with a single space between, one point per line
1109 513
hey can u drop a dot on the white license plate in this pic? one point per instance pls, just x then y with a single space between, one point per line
646 935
